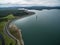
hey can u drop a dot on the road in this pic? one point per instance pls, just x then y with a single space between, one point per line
6 31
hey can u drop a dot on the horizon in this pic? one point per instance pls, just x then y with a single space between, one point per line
19 5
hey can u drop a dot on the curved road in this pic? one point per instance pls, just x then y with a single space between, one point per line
6 31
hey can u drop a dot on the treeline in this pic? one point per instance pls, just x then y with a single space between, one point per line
41 7
14 12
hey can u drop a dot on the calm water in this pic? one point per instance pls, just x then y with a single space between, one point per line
43 30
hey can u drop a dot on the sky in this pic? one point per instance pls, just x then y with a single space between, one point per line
32 2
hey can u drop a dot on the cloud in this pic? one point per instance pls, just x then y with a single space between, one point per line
32 2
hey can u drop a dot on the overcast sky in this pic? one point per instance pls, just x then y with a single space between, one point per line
32 2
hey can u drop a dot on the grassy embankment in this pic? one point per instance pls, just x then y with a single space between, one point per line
15 32
8 40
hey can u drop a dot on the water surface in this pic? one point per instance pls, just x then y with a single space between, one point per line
45 30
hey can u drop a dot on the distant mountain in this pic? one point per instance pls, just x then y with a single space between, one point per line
29 7
41 7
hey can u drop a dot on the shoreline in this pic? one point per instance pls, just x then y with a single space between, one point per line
7 28
14 27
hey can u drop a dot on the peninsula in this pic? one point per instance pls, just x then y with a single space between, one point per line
9 33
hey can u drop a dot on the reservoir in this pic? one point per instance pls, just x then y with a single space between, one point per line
42 28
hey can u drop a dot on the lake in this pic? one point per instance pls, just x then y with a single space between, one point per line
42 28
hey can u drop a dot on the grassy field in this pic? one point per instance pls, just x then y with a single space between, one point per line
8 40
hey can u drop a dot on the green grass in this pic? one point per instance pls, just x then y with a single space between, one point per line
10 17
7 39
